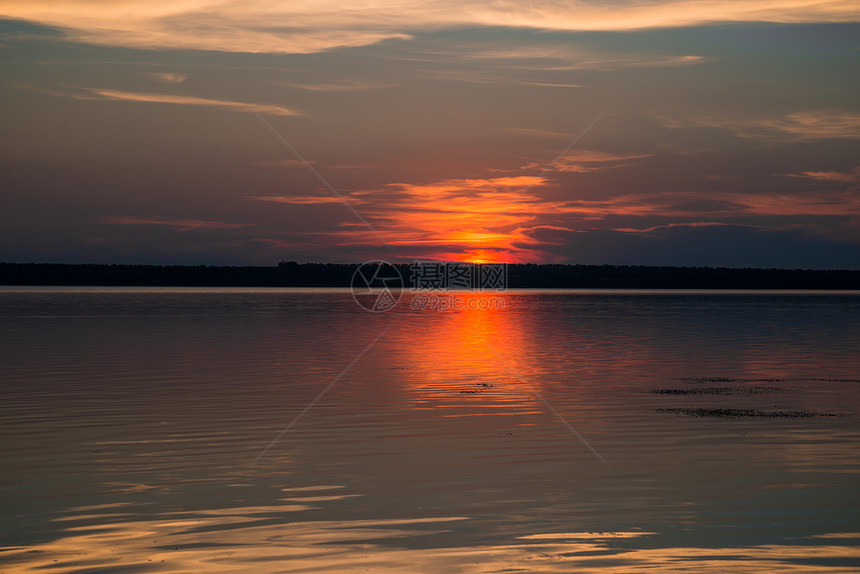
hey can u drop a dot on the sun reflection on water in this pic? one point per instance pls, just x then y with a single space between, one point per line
263 539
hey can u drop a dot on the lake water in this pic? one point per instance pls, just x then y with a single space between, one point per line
230 430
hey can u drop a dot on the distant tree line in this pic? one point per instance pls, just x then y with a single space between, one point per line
292 274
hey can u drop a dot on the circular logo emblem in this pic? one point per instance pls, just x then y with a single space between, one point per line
377 286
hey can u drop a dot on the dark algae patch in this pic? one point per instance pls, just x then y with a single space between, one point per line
698 380
719 391
744 386
728 413
728 386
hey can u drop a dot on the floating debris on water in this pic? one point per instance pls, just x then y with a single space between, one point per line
481 388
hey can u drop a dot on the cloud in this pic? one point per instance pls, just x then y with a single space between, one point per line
284 163
546 84
704 244
837 204
799 126
539 133
178 225
671 225
107 94
587 161
816 125
510 218
852 176
300 200
559 57
169 78
725 204
341 87
444 219
308 27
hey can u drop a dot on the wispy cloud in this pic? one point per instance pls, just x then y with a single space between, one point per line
584 161
733 206
673 225
307 27
107 94
852 176
178 225
816 125
555 56
837 204
799 126
337 87
539 133
283 163
169 78
301 200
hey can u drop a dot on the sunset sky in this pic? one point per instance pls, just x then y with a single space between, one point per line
721 133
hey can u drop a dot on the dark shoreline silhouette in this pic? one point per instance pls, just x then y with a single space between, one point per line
292 274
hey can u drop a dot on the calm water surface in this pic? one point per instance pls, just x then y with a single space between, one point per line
220 430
